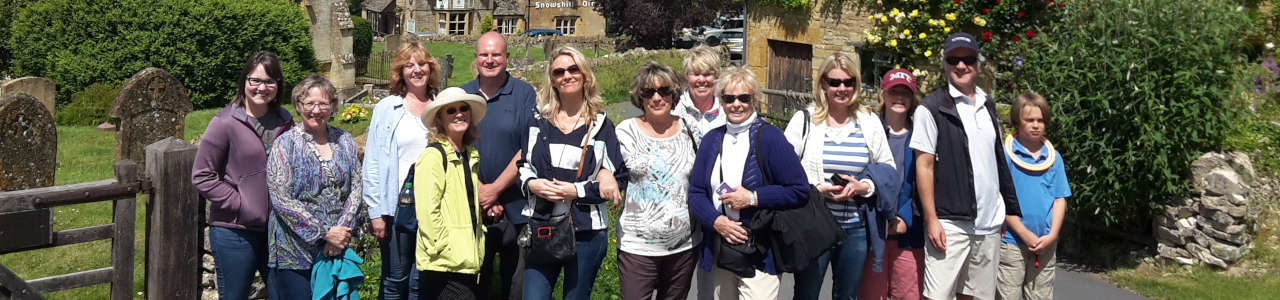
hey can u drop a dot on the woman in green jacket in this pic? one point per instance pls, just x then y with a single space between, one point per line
446 193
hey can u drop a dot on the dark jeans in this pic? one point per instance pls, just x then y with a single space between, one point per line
580 274
237 254
399 276
289 284
669 276
500 246
449 286
846 261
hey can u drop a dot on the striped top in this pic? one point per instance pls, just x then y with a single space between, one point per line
844 151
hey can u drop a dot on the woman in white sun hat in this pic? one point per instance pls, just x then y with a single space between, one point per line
446 191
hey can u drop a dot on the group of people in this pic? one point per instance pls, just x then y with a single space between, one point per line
498 182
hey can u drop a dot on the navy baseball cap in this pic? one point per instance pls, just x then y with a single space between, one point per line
960 40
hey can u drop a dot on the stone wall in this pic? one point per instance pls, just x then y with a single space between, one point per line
828 27
1215 225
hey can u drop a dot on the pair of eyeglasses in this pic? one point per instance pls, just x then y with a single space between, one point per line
261 82
315 105
955 60
728 99
665 91
557 72
457 109
849 82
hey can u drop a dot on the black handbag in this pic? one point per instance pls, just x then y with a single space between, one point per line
737 258
792 253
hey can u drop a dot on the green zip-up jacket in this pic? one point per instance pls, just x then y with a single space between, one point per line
450 232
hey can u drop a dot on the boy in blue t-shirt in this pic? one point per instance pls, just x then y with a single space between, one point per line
1027 256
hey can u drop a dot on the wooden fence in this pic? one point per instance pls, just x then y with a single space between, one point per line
173 236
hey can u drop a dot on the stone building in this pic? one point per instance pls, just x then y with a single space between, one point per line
570 17
786 47
466 17
331 31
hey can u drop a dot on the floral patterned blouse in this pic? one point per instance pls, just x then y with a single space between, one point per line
309 195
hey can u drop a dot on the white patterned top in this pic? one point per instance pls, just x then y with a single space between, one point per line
655 218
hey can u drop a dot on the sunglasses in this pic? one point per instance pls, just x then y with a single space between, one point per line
665 91
557 72
955 60
457 109
849 82
728 99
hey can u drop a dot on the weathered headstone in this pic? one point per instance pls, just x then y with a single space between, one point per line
28 141
43 89
151 106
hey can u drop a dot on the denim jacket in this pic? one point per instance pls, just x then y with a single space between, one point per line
381 184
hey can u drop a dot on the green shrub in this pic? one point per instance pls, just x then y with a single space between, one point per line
361 37
1139 89
89 107
203 43
487 25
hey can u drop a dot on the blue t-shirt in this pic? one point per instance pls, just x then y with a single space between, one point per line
503 130
1036 190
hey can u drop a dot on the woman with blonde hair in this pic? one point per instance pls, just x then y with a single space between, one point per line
836 143
741 168
396 138
565 172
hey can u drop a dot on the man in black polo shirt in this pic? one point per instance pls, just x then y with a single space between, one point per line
504 128
964 186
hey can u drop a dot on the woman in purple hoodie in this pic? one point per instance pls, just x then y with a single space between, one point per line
230 172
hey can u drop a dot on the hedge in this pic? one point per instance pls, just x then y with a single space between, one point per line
203 43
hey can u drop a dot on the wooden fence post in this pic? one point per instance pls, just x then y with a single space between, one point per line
126 171
173 222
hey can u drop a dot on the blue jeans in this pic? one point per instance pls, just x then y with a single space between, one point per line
399 276
289 284
846 261
580 274
237 254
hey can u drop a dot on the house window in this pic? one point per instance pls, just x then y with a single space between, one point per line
453 23
567 25
507 25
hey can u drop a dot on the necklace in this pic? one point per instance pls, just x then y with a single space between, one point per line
1051 156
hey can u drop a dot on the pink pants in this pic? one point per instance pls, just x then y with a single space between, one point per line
901 277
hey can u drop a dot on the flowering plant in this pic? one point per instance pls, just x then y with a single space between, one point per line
353 113
914 30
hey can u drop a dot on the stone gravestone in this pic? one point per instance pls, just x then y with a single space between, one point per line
42 89
28 141
151 106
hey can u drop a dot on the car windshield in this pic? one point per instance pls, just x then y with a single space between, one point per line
731 34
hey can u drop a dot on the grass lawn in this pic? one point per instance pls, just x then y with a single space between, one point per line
463 57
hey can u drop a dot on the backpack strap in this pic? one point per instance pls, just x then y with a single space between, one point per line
444 160
804 133
689 132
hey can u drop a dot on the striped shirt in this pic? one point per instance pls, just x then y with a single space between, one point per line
844 151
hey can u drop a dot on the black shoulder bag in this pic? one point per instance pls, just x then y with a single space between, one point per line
551 239
406 216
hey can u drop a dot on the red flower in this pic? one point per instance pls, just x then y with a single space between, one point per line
1049 3
986 36
1013 85
997 2
1016 39
1022 14
985 11
1061 3
957 1
1031 33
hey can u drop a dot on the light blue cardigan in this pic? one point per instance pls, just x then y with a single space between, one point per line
381 158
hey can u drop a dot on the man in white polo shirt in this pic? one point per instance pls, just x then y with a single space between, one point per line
965 189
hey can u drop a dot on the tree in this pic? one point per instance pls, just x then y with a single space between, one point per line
355 6
652 23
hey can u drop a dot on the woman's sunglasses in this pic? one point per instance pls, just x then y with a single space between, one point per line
665 91
849 82
728 99
557 72
456 109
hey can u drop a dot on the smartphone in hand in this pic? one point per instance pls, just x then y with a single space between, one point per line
836 180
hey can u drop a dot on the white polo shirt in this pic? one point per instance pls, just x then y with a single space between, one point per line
982 136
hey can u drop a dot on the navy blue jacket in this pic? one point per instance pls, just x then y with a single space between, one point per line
790 189
887 180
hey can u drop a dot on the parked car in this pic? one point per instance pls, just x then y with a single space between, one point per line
544 32
733 38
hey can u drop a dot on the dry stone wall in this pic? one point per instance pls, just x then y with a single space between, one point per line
1215 225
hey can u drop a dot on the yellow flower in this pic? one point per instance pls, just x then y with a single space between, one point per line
894 12
951 16
884 19
946 30
906 32
915 13
870 17
979 21
928 53
893 43
942 23
922 35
